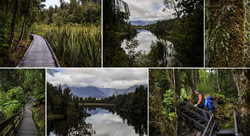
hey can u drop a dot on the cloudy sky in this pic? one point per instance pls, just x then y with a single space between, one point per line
53 3
147 10
105 78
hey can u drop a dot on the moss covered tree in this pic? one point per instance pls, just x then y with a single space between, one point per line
225 40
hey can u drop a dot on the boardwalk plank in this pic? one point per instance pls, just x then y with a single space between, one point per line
27 126
38 54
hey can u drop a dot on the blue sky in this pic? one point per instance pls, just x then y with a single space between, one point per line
147 10
53 2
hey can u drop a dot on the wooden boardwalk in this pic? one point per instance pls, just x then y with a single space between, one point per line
27 126
206 126
39 54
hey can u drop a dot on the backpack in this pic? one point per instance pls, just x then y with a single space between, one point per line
201 105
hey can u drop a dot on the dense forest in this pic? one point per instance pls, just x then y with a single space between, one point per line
16 86
185 32
228 88
16 17
58 98
227 33
63 105
73 30
116 29
131 102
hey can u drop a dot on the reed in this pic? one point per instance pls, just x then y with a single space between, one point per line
76 46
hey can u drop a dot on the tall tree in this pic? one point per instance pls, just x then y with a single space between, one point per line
13 24
24 23
225 33
241 79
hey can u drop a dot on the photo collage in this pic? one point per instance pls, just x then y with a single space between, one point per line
124 67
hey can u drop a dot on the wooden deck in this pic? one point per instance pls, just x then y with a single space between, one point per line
39 54
27 126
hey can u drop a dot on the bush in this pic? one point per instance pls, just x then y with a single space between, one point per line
205 88
76 46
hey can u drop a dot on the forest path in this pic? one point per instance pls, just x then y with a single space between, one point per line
27 126
39 54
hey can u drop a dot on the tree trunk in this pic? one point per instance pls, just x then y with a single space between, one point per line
13 24
24 22
241 79
217 77
175 102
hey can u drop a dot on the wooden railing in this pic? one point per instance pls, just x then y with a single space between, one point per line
210 127
197 108
11 124
237 124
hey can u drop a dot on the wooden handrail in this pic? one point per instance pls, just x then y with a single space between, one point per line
196 122
212 129
235 124
191 105
205 119
14 122
211 120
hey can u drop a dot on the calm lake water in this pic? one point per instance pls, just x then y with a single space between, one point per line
106 123
102 122
145 39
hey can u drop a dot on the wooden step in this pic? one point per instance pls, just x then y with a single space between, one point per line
226 132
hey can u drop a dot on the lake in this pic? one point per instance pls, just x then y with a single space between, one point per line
104 121
107 123
145 39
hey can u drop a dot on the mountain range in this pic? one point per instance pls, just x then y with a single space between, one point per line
92 91
140 22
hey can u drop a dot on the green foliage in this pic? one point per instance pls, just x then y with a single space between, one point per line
217 83
15 84
116 29
39 120
12 16
225 38
13 102
76 46
184 32
206 87
62 102
168 106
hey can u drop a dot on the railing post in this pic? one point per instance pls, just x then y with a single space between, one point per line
211 120
235 124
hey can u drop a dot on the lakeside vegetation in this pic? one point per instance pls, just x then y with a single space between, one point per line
131 102
184 31
223 85
16 88
63 105
73 30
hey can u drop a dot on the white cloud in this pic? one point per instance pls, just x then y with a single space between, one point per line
53 3
147 10
107 78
